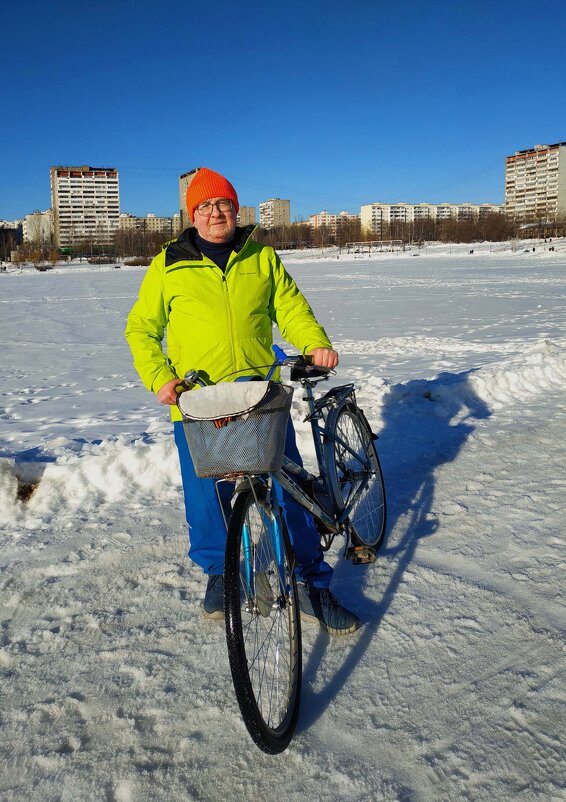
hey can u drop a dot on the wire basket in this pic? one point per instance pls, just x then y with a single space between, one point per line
249 442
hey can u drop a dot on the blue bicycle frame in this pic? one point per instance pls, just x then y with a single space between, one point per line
273 526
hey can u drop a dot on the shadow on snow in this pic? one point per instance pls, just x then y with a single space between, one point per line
425 424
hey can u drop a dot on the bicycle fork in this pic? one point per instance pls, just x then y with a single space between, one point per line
258 585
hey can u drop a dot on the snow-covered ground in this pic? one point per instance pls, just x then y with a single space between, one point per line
114 688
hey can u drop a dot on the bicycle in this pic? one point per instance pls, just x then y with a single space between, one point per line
347 496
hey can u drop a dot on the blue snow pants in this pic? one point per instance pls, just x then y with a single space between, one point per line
207 532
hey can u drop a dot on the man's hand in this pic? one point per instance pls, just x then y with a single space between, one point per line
167 394
324 357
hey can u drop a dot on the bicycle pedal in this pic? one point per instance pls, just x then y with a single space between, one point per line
361 555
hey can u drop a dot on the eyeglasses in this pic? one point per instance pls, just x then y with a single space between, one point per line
223 205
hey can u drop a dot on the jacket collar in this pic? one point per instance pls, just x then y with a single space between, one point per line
184 249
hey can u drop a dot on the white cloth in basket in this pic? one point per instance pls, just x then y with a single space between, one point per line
222 400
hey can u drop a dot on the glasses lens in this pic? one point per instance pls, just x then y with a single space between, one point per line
205 209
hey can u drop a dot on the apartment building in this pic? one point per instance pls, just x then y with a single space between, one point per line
275 213
166 226
246 216
86 205
37 227
128 222
176 225
535 183
332 222
375 215
158 225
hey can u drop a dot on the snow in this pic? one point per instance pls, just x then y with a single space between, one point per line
113 685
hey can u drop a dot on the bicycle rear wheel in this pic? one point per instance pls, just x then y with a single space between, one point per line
354 474
263 628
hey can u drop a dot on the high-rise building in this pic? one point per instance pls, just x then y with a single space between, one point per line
184 181
375 215
86 205
535 183
275 213
246 216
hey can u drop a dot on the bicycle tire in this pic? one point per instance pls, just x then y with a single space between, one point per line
263 628
351 459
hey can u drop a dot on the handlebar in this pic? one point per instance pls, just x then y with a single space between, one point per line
189 380
301 365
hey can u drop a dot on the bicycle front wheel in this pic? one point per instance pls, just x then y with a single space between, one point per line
263 628
355 476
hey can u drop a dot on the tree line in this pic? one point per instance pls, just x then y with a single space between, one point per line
492 227
143 244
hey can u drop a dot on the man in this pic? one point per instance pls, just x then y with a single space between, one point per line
217 292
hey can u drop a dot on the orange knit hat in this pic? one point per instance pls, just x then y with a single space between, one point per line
208 184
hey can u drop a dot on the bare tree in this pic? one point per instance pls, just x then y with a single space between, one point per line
8 242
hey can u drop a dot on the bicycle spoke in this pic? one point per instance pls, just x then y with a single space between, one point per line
268 655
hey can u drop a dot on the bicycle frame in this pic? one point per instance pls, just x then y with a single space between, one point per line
291 475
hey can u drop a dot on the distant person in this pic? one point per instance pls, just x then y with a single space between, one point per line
217 293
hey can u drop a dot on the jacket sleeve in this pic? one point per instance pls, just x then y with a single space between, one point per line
145 330
293 315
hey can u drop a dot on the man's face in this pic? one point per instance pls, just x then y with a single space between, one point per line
214 225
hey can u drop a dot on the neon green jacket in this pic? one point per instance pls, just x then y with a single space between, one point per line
216 322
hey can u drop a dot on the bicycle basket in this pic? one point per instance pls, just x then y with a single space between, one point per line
236 427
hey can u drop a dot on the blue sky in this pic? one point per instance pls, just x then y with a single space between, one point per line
330 104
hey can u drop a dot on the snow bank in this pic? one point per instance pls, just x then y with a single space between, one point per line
540 369
120 470
113 471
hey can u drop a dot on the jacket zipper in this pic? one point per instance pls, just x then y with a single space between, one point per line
229 265
230 320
